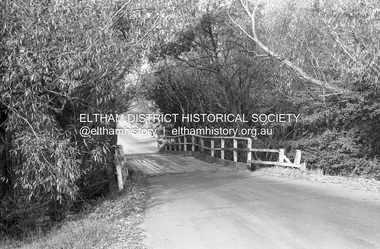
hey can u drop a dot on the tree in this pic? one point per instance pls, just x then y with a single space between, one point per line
212 60
251 12
61 59
316 58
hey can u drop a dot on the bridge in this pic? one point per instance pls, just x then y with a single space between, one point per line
203 148
200 200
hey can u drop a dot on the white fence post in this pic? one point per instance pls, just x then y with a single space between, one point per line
192 143
281 155
202 145
185 143
297 160
249 152
212 147
222 148
235 151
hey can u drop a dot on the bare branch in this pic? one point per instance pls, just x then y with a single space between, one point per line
148 32
298 71
336 38
113 18
133 46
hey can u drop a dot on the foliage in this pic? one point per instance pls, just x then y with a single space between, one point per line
343 139
112 223
332 40
60 59
215 66
207 68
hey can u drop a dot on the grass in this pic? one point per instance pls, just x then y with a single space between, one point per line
317 176
112 224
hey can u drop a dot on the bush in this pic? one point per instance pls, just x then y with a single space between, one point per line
337 153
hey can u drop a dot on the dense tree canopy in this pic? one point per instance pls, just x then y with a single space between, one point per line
316 58
60 59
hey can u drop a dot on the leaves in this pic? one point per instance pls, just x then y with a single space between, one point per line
60 59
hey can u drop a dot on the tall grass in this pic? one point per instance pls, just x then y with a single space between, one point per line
84 234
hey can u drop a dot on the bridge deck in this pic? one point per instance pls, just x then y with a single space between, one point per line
158 164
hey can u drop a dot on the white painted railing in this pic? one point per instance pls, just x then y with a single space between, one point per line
181 142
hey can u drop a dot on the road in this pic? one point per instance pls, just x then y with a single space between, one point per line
246 210
216 207
136 143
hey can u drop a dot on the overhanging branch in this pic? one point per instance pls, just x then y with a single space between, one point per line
296 69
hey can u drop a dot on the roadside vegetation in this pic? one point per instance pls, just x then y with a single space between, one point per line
319 59
110 222
60 60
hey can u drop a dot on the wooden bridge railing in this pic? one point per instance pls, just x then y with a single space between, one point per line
182 142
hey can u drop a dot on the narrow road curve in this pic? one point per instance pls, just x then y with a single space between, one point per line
223 209
196 205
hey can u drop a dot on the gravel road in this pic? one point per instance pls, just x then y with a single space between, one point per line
238 209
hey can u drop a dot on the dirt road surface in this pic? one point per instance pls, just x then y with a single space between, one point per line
210 206
136 143
245 210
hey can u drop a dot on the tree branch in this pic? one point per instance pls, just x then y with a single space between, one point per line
298 71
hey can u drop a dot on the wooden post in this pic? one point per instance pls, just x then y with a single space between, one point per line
192 143
303 167
202 145
185 143
235 151
249 152
222 148
281 155
180 143
212 147
297 160
119 177
119 159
